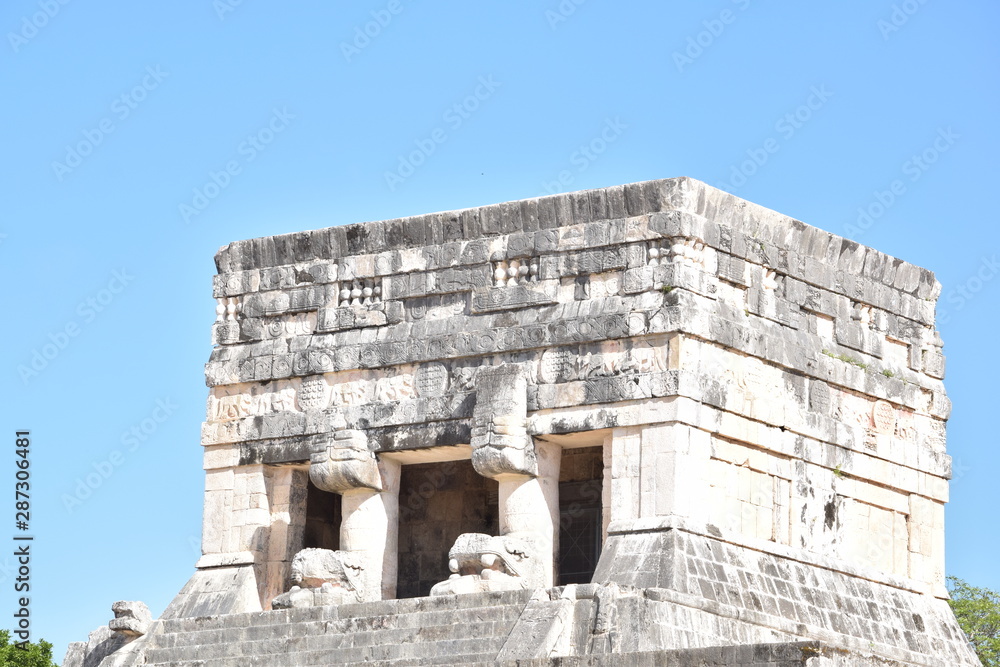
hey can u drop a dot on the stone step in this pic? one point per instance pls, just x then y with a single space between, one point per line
429 625
417 631
436 621
488 635
444 653
360 610
341 657
473 650
470 660
789 654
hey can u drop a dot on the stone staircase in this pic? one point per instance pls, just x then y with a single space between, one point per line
592 625
426 631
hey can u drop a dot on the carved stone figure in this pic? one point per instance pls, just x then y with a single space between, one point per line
323 577
131 619
345 463
481 562
500 441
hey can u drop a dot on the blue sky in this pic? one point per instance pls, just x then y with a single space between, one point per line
140 137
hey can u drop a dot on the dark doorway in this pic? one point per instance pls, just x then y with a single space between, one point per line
437 503
580 518
323 516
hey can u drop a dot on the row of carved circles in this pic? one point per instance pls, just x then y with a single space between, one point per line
301 326
280 277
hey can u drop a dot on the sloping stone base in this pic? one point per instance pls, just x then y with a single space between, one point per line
216 591
753 592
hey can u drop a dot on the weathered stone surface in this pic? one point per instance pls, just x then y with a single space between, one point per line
101 643
222 590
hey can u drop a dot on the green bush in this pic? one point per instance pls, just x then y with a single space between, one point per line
978 612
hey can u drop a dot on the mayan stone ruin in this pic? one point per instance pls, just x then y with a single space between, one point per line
646 424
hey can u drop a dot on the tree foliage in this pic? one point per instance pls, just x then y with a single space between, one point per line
35 655
978 613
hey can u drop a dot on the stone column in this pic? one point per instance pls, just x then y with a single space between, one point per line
369 527
528 472
370 503
531 504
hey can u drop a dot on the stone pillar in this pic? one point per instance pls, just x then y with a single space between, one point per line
528 472
370 502
369 527
531 504
500 442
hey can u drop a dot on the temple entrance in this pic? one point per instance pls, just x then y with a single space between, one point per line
323 516
580 514
437 503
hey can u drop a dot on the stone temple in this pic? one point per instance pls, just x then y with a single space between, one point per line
646 424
